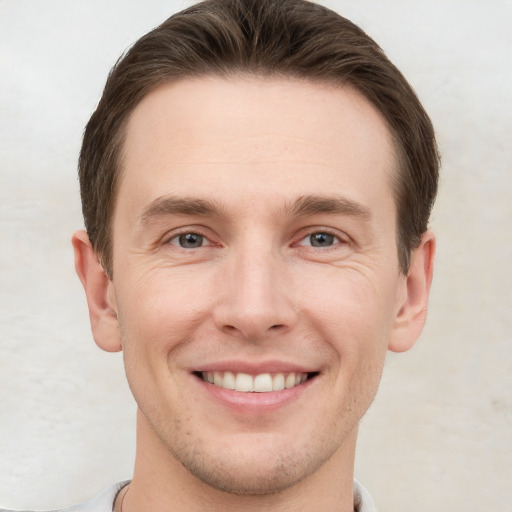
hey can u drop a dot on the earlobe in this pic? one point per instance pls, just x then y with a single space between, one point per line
99 292
412 309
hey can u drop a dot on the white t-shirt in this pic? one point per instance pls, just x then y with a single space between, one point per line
104 502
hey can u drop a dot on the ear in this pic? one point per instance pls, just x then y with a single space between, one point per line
99 291
413 302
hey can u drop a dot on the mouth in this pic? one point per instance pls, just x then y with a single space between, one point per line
260 383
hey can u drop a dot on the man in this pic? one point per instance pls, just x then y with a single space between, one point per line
256 185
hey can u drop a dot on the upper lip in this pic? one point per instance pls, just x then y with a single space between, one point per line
255 368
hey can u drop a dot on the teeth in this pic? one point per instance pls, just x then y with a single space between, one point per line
262 383
229 381
243 382
278 382
290 381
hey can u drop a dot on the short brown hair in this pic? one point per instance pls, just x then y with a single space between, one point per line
292 38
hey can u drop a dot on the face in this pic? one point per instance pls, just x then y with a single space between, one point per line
254 248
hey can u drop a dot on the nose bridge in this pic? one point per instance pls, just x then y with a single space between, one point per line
256 297
255 278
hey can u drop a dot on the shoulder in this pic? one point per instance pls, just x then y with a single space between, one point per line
103 502
363 501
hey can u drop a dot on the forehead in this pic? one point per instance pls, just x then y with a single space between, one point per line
253 134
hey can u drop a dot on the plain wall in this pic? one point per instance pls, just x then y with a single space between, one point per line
439 436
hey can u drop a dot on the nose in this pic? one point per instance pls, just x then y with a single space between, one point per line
255 296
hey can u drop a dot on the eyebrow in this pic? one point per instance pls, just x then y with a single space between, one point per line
313 204
303 206
170 205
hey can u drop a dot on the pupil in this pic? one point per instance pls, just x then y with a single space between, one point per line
191 240
321 239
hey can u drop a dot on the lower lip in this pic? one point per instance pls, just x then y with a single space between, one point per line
253 402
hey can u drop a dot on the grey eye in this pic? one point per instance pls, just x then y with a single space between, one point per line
190 240
321 239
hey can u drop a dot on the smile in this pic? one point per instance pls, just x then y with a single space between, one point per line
261 383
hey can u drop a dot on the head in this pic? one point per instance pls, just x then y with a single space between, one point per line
267 39
256 184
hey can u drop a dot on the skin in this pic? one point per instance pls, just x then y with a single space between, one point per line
256 292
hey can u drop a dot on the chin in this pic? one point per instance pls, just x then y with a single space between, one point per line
254 464
259 476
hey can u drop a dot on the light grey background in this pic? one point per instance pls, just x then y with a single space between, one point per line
439 436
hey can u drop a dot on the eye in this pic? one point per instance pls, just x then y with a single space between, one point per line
188 240
320 239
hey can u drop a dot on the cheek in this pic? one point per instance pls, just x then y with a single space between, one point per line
160 310
355 320
157 318
354 311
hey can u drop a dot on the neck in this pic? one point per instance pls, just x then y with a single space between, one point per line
161 483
